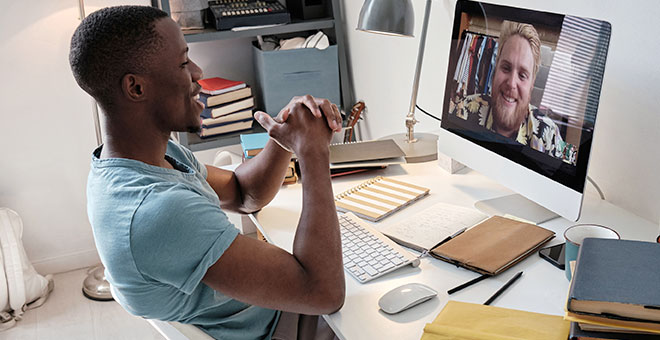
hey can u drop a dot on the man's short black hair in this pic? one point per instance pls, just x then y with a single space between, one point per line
111 43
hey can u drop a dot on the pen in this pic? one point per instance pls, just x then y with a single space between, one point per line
467 284
501 290
447 239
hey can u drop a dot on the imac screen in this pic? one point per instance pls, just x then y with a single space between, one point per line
526 84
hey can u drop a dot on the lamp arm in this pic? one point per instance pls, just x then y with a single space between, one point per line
410 118
81 9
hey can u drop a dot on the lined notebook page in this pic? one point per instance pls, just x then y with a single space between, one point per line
379 197
432 225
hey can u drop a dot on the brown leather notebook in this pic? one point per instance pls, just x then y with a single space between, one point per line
493 245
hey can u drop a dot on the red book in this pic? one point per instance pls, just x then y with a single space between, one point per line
217 85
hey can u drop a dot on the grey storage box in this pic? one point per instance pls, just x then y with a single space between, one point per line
281 75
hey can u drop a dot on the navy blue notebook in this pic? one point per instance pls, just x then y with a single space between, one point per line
617 279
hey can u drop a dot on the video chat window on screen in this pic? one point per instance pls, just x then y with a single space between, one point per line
556 106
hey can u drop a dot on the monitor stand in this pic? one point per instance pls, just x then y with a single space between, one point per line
515 205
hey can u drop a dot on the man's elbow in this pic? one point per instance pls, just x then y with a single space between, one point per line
251 204
337 302
332 300
247 205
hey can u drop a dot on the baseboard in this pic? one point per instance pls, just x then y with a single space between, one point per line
68 262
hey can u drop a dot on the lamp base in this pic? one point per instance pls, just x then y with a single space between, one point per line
425 149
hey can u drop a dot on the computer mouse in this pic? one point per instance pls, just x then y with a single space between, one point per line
401 298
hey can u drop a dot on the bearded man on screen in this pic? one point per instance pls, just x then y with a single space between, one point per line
507 111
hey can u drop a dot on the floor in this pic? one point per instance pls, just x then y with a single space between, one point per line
67 314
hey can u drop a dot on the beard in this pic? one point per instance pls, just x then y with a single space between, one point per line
194 128
506 120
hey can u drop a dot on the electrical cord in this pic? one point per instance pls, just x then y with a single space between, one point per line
600 192
428 114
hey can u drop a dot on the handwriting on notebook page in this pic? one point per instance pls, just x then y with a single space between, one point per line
433 224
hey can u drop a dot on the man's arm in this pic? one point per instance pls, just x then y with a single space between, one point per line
254 183
311 280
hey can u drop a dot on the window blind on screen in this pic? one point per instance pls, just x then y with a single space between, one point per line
575 77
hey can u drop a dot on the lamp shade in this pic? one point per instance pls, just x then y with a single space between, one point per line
394 17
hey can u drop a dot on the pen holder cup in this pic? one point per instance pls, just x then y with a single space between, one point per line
576 234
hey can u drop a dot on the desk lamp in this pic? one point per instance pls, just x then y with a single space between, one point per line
396 17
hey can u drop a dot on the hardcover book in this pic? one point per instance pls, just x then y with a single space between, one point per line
217 85
577 333
617 279
214 100
613 324
232 117
225 109
226 128
253 143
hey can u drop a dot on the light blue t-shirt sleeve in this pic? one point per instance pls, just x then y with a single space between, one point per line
177 235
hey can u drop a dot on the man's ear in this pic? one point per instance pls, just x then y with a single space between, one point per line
133 87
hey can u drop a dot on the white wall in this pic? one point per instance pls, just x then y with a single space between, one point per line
625 160
47 133
47 130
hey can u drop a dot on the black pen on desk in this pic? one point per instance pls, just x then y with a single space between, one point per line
447 239
467 284
501 290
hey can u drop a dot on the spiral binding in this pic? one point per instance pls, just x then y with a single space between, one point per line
353 142
358 187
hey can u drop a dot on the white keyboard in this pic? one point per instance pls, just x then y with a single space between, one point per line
368 253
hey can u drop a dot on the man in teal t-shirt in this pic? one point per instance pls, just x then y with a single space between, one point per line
157 213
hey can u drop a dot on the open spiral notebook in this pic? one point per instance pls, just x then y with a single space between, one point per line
379 197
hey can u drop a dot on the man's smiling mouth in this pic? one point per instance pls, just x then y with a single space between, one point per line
509 99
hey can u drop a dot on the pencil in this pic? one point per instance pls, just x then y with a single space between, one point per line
447 239
467 284
501 290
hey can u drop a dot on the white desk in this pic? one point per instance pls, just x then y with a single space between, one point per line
542 288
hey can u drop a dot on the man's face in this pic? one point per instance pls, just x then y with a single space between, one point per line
512 85
174 77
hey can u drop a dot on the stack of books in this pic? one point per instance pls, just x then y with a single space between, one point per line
228 106
614 292
253 143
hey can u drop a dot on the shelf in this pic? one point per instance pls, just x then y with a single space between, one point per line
196 143
333 23
209 34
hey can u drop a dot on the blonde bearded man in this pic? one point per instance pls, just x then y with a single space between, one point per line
507 111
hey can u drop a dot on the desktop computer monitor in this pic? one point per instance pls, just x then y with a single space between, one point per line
521 99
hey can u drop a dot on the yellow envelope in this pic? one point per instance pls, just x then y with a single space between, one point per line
469 321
